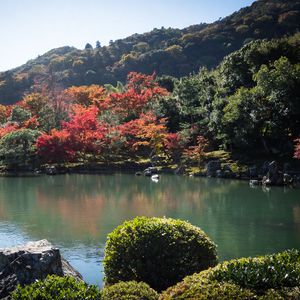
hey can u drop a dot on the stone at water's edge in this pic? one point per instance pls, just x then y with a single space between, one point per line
212 167
27 263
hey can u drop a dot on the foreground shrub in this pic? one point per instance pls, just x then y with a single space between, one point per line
57 288
130 290
203 289
157 251
266 272
275 276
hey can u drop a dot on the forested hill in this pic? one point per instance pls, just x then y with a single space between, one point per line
175 52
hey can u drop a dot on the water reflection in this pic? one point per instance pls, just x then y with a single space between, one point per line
76 212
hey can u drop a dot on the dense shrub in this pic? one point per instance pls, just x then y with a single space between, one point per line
274 276
130 290
201 288
17 148
270 271
56 288
157 251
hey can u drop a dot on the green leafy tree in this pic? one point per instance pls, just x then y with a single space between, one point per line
19 115
279 84
195 96
98 45
34 102
47 119
269 113
88 46
17 148
241 121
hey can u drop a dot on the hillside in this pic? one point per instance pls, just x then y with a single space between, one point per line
175 52
244 111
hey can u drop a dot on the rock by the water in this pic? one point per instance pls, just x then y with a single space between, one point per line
227 168
51 170
155 160
30 262
150 171
179 171
274 177
254 182
219 174
212 167
287 179
253 172
227 172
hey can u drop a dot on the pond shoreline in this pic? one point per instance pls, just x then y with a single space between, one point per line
271 175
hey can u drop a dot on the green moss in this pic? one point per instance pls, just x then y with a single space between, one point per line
130 290
219 154
157 251
226 158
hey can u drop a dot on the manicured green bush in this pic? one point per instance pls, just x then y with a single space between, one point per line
265 272
129 290
202 289
275 276
57 288
158 251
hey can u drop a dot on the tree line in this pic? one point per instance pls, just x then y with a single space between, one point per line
250 101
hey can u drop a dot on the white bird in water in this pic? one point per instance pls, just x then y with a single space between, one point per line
155 177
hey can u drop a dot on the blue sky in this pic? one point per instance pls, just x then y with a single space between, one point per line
29 28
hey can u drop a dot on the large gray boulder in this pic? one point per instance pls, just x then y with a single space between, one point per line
27 263
212 167
273 176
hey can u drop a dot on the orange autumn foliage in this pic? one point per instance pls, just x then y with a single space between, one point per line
31 123
3 113
7 129
140 91
87 95
147 131
196 152
34 102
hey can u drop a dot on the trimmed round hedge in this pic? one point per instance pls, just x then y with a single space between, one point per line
57 288
130 290
275 276
158 251
205 289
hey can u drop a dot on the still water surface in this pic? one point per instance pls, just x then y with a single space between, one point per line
76 212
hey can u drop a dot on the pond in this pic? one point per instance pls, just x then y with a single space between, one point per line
76 212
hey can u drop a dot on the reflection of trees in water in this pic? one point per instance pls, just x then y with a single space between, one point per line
84 208
98 203
77 216
80 205
296 214
2 211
